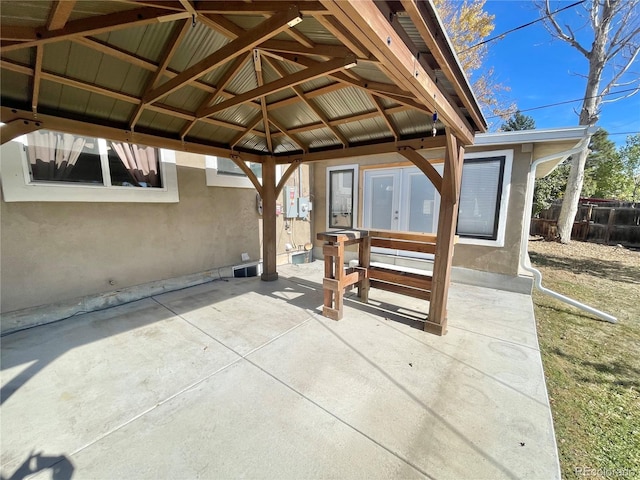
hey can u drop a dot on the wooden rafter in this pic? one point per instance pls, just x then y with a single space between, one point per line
334 27
319 113
252 38
387 118
250 126
90 87
257 67
93 26
37 75
294 138
59 14
242 7
302 76
178 34
222 84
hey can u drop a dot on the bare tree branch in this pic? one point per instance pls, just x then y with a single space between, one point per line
560 33
611 100
621 72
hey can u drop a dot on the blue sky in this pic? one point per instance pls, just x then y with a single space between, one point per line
542 71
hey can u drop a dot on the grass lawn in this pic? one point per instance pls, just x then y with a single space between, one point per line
592 367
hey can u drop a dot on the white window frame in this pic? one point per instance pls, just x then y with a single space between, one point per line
504 199
221 179
351 166
17 185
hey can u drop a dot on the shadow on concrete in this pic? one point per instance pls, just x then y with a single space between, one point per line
60 467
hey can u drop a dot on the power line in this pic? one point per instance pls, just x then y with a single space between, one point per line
567 101
520 27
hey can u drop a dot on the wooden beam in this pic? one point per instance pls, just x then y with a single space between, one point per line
269 231
257 67
425 23
231 50
251 125
242 7
424 165
376 101
96 25
179 32
285 176
237 159
377 34
294 138
300 93
364 150
228 75
19 126
17 33
447 221
86 127
302 76
59 14
37 74
293 48
337 30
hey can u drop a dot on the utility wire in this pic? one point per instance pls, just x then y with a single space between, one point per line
519 27
567 101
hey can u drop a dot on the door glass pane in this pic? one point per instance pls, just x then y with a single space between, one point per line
422 205
382 202
341 199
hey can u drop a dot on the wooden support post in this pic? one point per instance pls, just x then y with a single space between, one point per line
269 272
437 320
610 225
364 259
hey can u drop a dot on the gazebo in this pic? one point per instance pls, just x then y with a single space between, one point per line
269 82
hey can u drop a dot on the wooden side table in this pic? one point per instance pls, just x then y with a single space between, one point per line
336 278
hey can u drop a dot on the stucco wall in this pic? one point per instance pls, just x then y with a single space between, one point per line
56 251
505 259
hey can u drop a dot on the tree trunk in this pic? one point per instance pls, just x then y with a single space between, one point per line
588 116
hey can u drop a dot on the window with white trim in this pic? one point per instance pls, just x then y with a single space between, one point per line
484 198
480 195
342 189
54 166
224 172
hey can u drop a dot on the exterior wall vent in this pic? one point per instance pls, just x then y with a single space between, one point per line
247 270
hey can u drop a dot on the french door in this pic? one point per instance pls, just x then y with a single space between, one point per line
401 199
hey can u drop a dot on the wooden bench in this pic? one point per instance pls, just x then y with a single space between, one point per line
337 278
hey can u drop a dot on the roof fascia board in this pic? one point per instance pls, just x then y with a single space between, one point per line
421 14
534 136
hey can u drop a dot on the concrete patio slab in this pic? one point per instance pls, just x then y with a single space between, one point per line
245 379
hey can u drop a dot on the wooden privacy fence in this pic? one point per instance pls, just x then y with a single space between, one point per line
337 277
615 223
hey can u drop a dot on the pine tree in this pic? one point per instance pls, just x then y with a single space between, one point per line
518 121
